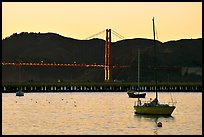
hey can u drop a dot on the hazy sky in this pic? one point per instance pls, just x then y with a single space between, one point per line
79 20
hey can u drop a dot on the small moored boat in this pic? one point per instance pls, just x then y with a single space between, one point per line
20 93
133 94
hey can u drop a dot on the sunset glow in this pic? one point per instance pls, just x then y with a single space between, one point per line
79 20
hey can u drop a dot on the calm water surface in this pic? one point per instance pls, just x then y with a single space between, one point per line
84 113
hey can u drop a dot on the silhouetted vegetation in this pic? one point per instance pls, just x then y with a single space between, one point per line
53 48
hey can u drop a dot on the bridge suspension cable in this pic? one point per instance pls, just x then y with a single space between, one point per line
95 35
103 31
117 34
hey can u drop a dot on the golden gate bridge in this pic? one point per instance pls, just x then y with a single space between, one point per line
107 66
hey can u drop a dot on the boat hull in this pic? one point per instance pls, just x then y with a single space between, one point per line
19 93
133 95
154 110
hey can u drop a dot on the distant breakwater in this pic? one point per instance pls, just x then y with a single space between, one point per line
100 87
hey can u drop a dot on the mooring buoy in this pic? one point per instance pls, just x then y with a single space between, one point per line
159 124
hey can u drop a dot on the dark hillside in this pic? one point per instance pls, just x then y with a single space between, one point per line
185 54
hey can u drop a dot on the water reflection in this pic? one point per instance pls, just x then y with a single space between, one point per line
153 119
152 116
95 113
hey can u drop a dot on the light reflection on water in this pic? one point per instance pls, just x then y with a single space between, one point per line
152 120
104 113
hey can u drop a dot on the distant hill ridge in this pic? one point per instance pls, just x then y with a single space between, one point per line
51 47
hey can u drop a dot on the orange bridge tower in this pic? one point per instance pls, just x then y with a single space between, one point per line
107 64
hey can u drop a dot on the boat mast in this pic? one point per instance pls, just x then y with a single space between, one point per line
155 63
19 76
138 78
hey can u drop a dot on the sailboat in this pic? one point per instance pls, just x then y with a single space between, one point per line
133 93
153 107
20 91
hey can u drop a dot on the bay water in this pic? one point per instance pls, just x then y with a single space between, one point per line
97 113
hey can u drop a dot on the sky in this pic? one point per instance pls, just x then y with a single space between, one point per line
79 20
